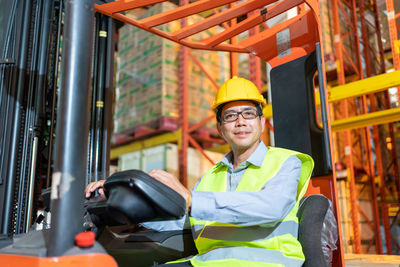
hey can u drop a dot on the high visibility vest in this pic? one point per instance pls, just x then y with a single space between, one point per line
272 244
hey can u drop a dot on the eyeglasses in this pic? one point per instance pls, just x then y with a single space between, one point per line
247 114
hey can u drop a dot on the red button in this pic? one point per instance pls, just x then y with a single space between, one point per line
85 239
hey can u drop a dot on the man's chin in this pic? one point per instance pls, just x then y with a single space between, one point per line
242 144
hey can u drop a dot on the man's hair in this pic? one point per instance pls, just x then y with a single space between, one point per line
221 107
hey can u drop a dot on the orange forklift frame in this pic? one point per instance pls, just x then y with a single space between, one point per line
305 32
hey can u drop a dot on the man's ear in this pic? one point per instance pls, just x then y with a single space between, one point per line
262 123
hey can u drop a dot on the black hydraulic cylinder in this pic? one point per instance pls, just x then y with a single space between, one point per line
18 95
99 111
43 58
70 157
108 98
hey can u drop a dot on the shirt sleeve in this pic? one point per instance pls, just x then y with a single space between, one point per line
170 225
271 204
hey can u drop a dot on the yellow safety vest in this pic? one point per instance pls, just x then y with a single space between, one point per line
225 244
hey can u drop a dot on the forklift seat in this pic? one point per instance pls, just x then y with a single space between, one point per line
317 230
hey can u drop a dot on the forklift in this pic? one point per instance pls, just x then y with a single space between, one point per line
81 110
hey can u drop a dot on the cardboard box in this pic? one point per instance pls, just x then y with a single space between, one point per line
148 75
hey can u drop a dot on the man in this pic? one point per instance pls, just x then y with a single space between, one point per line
243 210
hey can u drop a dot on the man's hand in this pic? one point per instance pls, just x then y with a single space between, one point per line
172 182
90 188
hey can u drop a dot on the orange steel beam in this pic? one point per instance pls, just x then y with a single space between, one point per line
365 217
186 43
196 145
198 63
196 126
233 57
182 11
378 148
224 24
358 71
303 28
379 37
384 206
349 161
367 135
242 26
252 21
395 44
371 174
183 106
393 33
254 61
124 5
302 42
394 38
395 162
221 17
345 13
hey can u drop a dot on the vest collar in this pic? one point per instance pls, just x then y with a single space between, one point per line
256 158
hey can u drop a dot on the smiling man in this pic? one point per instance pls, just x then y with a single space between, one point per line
243 210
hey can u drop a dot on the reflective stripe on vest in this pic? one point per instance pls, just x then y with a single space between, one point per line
246 233
281 237
259 256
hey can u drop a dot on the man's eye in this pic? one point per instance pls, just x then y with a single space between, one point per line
229 116
250 113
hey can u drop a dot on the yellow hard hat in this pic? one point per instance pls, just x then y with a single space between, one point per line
237 89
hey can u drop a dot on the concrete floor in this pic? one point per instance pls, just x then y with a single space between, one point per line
369 260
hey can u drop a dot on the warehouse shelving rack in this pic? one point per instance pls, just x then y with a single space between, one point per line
369 64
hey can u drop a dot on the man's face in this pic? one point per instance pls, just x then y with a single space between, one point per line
241 133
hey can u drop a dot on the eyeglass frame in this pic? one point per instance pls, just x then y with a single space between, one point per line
237 113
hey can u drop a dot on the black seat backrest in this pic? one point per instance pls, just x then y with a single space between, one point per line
312 213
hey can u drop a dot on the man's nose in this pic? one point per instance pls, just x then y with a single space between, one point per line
241 121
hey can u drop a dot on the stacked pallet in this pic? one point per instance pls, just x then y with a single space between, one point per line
148 80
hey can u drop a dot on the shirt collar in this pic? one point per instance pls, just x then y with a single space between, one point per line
256 158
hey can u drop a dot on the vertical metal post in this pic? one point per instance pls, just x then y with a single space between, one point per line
371 174
357 39
69 174
378 148
379 37
364 32
387 100
255 62
183 105
384 207
394 40
366 132
347 136
233 56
